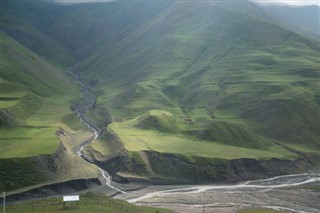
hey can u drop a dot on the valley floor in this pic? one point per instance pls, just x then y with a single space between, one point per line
292 193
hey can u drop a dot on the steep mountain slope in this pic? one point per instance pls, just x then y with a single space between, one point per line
213 57
187 84
26 21
35 99
27 80
228 73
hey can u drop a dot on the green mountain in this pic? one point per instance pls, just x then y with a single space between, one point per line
193 87
26 21
222 59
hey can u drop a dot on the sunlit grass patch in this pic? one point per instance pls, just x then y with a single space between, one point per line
28 141
7 103
136 139
37 136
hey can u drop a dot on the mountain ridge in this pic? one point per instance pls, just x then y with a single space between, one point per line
231 79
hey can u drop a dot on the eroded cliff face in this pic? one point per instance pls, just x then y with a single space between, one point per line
34 171
166 168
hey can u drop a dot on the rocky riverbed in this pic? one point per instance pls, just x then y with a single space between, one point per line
291 193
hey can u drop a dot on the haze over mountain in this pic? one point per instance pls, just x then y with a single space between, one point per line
303 19
197 92
288 2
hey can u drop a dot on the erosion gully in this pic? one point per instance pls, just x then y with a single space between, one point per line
80 111
210 198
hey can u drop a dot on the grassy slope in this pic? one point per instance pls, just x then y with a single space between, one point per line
86 204
254 86
228 77
39 96
35 102
26 22
243 80
233 81
136 140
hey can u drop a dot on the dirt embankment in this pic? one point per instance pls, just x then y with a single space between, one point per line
22 174
163 168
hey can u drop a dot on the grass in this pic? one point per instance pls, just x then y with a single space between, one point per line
137 99
38 135
136 139
7 103
35 141
106 145
29 35
157 119
235 135
72 121
52 111
238 82
258 87
87 203
306 148
35 97
26 71
17 173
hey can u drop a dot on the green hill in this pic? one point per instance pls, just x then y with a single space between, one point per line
35 97
29 83
228 57
190 82
157 120
26 21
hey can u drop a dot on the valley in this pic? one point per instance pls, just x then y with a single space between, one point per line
80 110
209 106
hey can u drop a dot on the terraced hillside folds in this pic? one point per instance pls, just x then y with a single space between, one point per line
198 91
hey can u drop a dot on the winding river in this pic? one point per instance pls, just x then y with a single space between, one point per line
80 111
267 193
279 193
265 185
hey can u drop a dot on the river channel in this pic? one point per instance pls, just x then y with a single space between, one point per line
281 193
80 110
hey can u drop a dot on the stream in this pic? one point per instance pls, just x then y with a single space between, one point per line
278 193
80 111
265 185
267 193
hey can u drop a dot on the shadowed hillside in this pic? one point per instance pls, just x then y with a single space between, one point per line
226 61
35 97
194 83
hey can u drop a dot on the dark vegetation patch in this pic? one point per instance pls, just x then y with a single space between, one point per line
234 135
17 173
